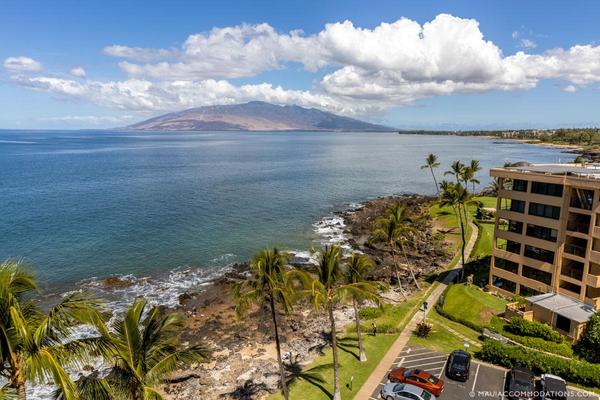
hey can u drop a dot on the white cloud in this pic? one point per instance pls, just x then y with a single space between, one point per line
144 95
138 53
78 72
392 64
515 34
570 89
22 64
528 44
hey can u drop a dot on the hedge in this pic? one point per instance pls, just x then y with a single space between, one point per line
522 327
578 372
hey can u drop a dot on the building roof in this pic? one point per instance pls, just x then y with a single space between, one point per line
591 170
563 305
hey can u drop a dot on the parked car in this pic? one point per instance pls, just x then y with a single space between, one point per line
553 387
418 378
458 365
520 384
404 391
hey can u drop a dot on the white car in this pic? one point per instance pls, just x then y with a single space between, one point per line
404 391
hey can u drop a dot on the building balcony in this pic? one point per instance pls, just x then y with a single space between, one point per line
576 250
593 281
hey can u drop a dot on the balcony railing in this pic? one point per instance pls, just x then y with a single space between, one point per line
581 227
575 250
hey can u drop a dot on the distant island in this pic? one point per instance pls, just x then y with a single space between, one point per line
256 116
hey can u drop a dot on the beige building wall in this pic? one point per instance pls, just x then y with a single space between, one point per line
576 262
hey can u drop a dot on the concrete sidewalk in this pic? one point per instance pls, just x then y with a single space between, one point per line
386 363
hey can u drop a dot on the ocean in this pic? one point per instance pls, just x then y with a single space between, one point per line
174 208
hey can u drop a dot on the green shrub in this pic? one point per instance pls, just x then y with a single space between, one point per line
588 346
578 372
368 313
423 329
520 326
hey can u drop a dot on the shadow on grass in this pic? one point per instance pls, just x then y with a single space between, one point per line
347 345
313 376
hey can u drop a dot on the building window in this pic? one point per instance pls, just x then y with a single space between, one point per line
517 206
506 265
527 291
539 254
544 210
541 232
571 287
563 323
519 185
582 198
505 284
572 269
515 226
537 275
548 189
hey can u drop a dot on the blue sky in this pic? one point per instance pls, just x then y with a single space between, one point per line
461 72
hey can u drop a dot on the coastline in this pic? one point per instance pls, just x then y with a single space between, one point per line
244 353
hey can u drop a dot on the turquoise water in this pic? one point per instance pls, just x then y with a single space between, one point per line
82 204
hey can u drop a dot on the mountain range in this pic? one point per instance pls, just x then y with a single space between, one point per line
255 116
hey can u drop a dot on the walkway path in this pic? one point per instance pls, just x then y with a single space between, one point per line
379 373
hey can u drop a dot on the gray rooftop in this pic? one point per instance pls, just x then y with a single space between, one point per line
591 170
564 305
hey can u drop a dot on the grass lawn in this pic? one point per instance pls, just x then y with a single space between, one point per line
484 245
471 304
440 339
488 202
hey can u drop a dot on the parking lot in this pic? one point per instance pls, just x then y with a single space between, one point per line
485 381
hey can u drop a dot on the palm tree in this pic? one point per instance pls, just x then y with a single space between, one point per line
358 267
394 231
33 345
473 168
457 170
431 162
143 352
270 284
457 197
328 290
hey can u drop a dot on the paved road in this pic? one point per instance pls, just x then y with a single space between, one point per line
485 382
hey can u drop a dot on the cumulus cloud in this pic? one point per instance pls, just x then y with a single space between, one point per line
570 89
392 64
22 64
78 72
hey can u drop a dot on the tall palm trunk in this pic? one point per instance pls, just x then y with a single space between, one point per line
361 350
17 379
437 187
336 375
463 245
284 388
393 249
412 272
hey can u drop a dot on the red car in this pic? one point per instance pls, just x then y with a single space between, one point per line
418 378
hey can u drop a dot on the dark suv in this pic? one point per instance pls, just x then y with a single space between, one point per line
459 363
520 384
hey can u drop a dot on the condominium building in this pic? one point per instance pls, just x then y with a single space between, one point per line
547 242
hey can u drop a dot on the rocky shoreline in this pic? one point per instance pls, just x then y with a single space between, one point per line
243 365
